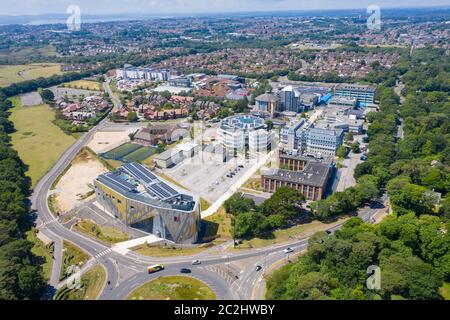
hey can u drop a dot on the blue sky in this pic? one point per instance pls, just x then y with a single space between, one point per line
25 7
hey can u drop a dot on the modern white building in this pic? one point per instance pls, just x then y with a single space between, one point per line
260 140
244 132
323 141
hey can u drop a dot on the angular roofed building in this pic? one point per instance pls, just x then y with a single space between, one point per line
137 196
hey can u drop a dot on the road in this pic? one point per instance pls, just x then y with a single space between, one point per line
106 86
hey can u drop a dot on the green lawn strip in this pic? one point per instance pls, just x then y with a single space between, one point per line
105 234
92 283
42 251
284 235
173 288
169 251
72 256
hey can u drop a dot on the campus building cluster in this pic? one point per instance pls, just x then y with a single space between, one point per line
139 197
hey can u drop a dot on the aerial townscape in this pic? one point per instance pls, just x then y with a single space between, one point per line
267 154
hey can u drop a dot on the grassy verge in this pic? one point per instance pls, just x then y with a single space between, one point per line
44 252
218 226
204 204
445 291
72 256
169 251
284 235
103 233
37 140
91 285
173 288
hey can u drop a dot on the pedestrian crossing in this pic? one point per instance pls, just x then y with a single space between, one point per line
46 223
103 253
222 273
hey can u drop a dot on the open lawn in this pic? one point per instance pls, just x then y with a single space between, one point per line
173 288
103 233
92 283
37 140
72 256
84 84
10 74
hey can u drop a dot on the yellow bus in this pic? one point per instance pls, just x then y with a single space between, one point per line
155 268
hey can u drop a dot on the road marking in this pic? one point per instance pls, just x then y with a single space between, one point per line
103 253
46 223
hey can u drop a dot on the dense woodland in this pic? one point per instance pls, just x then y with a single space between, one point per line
412 245
21 275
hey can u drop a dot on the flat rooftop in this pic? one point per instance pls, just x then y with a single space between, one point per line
314 174
136 182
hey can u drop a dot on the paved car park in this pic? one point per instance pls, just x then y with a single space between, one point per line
210 179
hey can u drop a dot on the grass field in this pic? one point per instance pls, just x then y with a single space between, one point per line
72 255
37 140
140 154
84 84
92 283
10 74
173 288
121 151
103 233
42 251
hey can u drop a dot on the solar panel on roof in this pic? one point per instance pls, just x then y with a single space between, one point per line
139 172
168 188
111 178
161 193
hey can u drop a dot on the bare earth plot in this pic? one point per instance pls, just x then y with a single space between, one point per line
75 186
103 141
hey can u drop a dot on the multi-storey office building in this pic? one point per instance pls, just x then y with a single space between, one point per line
134 73
364 94
135 195
243 132
323 141
311 181
268 103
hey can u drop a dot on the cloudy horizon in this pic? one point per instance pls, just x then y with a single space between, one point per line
113 7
